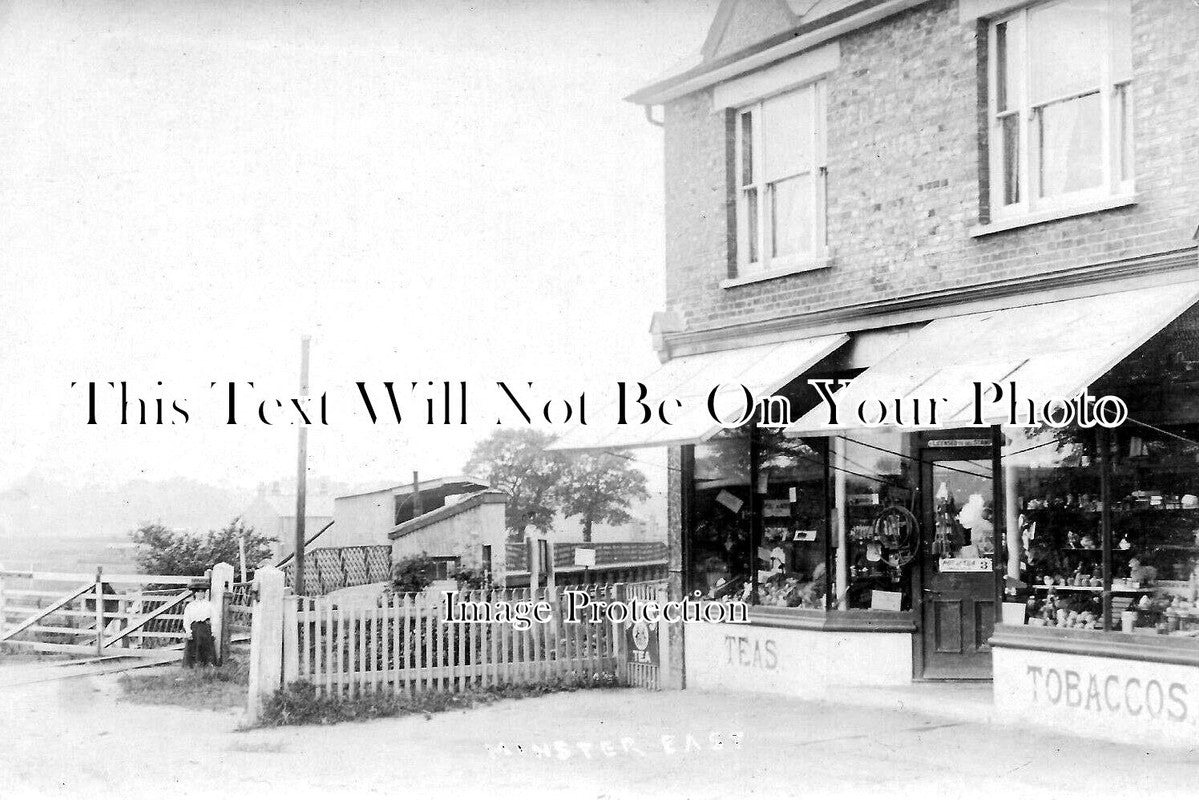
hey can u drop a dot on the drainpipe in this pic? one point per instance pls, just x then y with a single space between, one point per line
418 506
649 116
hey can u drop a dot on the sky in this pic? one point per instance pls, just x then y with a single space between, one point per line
431 190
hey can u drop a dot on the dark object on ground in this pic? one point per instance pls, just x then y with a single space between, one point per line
200 648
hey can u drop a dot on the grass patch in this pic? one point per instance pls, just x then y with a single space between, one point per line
212 688
299 703
12 654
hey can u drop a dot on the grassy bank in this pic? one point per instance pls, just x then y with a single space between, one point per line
212 688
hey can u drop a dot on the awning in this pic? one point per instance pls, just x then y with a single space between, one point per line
1050 350
763 370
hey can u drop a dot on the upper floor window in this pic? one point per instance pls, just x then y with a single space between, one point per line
780 161
1060 105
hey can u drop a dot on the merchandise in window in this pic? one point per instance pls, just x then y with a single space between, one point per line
882 528
1060 130
792 495
721 518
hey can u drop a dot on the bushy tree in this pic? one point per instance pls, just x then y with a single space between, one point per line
412 574
600 488
162 551
517 462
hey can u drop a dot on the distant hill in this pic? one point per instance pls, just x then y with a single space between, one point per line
38 507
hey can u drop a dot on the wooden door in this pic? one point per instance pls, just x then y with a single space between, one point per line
958 591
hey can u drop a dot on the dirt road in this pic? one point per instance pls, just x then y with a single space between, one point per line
76 738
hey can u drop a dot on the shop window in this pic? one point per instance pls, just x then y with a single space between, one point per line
1060 130
1153 488
882 537
792 572
780 182
721 518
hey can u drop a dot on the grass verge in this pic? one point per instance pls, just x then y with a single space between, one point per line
299 703
211 688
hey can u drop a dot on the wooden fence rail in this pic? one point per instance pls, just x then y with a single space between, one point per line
407 643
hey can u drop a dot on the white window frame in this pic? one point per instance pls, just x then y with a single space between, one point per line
1118 177
816 256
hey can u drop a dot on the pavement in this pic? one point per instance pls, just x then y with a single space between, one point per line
78 738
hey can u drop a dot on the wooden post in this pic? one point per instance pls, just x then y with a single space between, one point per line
3 602
99 612
291 643
266 640
621 595
222 576
301 477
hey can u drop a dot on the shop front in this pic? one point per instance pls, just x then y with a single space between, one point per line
987 536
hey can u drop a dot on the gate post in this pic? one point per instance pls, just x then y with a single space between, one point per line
266 640
618 634
222 576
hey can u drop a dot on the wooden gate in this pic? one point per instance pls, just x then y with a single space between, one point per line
92 613
644 645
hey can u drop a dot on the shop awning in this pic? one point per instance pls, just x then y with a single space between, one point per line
1050 350
763 370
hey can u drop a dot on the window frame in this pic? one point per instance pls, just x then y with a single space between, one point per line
1117 164
766 265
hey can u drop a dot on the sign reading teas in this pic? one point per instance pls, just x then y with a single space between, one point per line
1116 698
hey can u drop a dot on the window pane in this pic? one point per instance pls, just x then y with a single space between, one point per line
1011 159
791 216
747 148
877 479
791 565
787 134
1071 146
720 538
1003 78
751 225
1066 47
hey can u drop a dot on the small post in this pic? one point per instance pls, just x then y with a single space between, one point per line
291 640
3 602
241 555
99 612
266 640
622 666
222 576
666 679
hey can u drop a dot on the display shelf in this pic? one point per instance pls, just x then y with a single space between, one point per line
1095 589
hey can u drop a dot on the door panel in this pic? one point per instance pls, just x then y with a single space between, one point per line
957 555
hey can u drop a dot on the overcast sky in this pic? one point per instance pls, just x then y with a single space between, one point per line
434 190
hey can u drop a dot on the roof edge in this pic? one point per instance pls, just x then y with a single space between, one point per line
445 512
775 48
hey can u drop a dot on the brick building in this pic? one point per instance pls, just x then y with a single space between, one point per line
903 197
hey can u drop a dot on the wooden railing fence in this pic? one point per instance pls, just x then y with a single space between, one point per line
406 644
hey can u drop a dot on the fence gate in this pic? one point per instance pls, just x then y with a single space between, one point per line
644 644
93 613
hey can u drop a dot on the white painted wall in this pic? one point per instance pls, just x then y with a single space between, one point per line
753 658
360 519
1122 700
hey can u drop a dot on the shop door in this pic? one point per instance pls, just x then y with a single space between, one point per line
957 595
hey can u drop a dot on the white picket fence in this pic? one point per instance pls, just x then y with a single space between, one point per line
407 644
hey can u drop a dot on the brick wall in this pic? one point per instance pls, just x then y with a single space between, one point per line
904 182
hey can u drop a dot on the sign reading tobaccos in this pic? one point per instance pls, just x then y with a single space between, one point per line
1124 699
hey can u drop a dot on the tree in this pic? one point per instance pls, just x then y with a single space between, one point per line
600 488
517 462
162 551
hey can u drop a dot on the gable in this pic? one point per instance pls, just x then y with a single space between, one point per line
742 23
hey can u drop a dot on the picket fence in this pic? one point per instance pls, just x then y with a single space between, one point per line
406 644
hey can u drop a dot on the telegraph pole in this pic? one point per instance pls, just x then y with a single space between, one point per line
301 475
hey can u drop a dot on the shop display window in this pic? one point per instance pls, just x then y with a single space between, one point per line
721 518
1153 486
792 495
882 537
